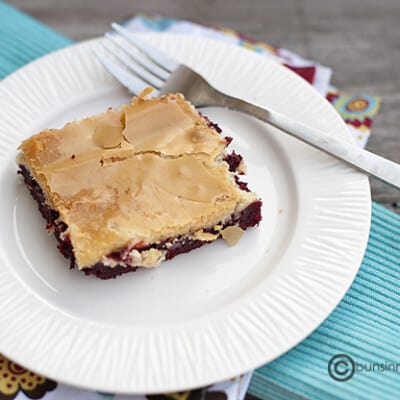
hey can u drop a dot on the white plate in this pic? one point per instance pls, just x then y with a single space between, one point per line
204 316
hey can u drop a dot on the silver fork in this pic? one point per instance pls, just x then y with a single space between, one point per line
148 66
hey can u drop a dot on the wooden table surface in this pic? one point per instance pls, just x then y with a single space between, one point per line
359 39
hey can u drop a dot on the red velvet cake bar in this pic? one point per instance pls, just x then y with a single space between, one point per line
133 187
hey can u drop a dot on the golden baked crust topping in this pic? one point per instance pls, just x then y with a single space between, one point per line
148 172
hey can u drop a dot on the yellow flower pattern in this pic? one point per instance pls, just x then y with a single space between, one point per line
14 378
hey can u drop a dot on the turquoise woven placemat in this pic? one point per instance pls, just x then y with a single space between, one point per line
22 39
366 324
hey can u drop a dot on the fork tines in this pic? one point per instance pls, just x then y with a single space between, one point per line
142 64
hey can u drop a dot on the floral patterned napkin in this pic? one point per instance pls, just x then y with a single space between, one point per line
357 110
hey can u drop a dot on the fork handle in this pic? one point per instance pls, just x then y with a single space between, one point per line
365 161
